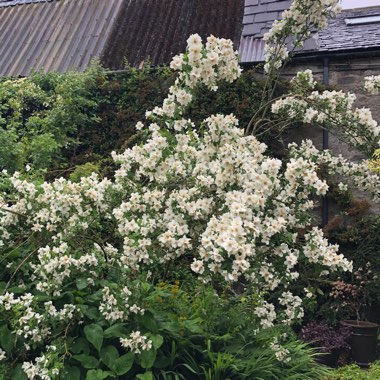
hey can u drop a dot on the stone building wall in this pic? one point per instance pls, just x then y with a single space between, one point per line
345 74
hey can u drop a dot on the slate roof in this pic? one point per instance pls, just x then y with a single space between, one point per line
340 36
260 14
62 35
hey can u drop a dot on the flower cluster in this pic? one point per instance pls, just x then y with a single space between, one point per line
116 306
45 367
202 64
34 327
297 21
282 354
372 84
332 110
136 342
2 355
358 174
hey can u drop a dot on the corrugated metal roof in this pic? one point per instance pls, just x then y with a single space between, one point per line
9 3
260 14
54 36
251 49
158 29
59 35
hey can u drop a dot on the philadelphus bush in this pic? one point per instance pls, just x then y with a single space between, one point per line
297 22
331 109
372 84
204 192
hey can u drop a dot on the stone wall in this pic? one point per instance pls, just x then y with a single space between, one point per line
345 74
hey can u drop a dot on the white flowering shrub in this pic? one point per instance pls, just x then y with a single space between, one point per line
77 256
287 34
332 110
372 84
297 22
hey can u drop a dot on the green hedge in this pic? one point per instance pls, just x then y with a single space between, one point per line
57 121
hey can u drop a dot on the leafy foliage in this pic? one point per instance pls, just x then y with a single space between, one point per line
57 121
354 372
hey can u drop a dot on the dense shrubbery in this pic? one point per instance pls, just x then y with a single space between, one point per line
195 258
354 372
206 199
57 121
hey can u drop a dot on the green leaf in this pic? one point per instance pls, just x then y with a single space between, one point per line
91 312
87 361
82 283
194 325
80 346
157 340
97 374
109 355
7 340
162 361
320 292
123 364
148 358
94 334
145 376
148 321
116 331
70 373
18 373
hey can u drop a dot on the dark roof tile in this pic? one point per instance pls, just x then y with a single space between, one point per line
251 2
248 19
279 6
267 16
338 35
251 29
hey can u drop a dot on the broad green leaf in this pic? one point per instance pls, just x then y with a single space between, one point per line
94 334
147 358
194 325
70 373
80 346
97 374
87 361
116 331
123 364
82 283
145 376
157 340
109 355
162 361
18 373
91 313
7 339
148 321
